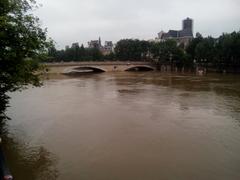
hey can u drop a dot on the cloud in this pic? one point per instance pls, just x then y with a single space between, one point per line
82 20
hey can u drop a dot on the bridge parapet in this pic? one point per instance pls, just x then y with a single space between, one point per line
94 63
107 66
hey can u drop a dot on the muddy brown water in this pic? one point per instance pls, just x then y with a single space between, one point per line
126 126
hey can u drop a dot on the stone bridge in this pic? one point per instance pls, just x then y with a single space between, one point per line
105 66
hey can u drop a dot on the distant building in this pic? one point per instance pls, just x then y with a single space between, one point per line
181 36
67 47
95 44
105 50
75 45
108 48
108 45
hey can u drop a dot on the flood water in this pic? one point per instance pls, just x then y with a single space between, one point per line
126 126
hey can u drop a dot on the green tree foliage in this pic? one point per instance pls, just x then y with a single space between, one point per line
209 52
110 57
219 53
74 53
22 42
192 46
228 46
167 52
205 50
93 54
129 49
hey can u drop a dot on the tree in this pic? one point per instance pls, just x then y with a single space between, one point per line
22 44
192 45
94 54
205 50
129 49
167 52
219 53
228 47
52 53
82 53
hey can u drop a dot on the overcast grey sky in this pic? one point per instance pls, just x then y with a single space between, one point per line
71 21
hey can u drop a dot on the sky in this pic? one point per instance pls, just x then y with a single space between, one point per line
70 21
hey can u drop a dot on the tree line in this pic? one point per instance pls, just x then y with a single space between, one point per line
219 53
74 53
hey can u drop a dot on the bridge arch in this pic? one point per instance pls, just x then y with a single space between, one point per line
140 68
83 69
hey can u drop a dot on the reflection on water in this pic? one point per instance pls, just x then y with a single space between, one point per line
127 126
28 162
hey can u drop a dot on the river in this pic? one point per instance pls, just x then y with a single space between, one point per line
126 126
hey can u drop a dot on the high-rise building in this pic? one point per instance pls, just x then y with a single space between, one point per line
188 24
187 29
181 36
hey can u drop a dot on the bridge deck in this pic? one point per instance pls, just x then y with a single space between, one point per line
104 66
98 63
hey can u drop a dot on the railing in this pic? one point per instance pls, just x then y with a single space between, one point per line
4 170
97 63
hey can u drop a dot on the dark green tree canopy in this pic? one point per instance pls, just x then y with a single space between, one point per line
219 53
22 43
132 49
75 53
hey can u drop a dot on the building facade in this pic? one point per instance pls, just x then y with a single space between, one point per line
183 36
95 44
105 50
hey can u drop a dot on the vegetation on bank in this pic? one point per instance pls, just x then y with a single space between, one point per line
22 45
219 53
74 53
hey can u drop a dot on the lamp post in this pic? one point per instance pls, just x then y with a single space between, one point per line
170 58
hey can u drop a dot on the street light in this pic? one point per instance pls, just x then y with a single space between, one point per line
170 57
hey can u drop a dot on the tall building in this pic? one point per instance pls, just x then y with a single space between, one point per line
181 36
187 29
188 24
